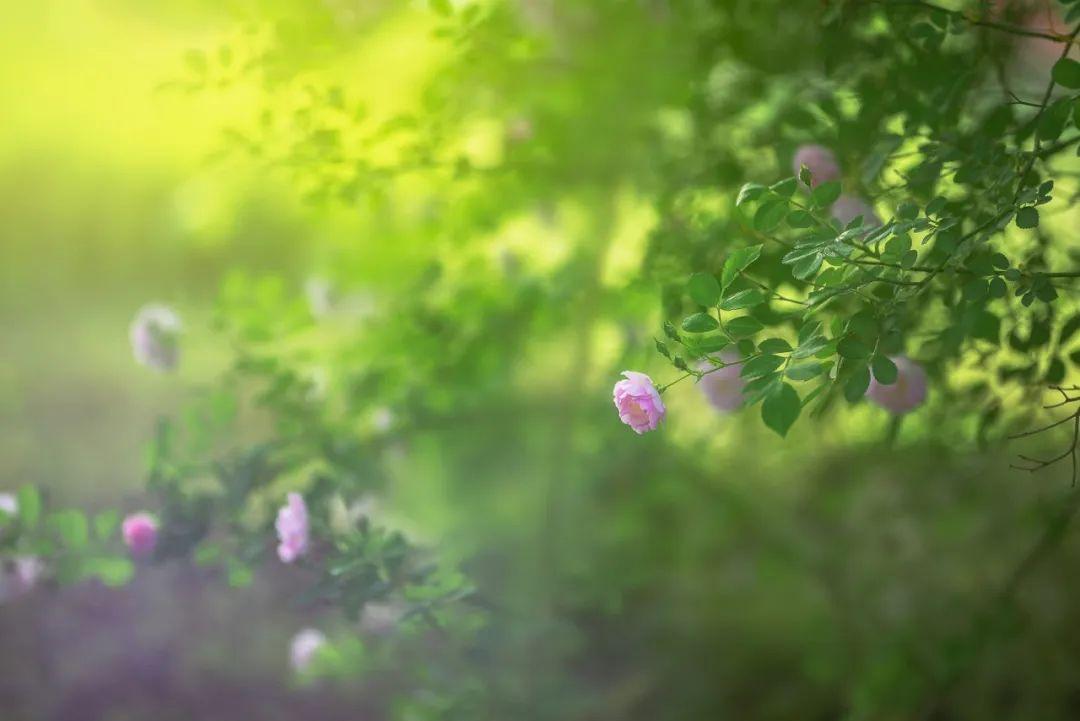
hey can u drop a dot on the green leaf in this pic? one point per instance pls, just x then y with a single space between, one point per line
885 371
703 289
811 346
743 299
113 571
72 528
856 384
825 194
105 524
749 192
760 366
744 326
29 506
774 345
699 323
807 267
1066 72
781 408
785 188
853 348
769 215
806 371
737 262
1027 218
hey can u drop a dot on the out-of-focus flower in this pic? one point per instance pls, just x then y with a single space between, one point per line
849 207
155 336
9 504
292 529
19 576
906 394
140 532
304 647
381 618
723 387
638 402
819 160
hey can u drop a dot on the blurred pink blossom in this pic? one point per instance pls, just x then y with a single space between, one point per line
304 647
19 576
638 402
155 335
140 532
819 160
292 529
723 387
849 207
906 394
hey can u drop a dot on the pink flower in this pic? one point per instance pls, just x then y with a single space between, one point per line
906 394
723 387
304 647
155 335
849 207
292 529
819 160
639 402
140 532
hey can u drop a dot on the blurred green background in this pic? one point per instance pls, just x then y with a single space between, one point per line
706 571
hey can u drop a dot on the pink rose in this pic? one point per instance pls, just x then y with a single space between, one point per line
819 160
638 402
304 647
155 335
906 394
849 207
723 387
140 532
292 529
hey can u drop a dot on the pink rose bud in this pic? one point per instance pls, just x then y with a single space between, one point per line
849 207
304 648
155 336
723 387
292 529
140 532
906 394
638 402
819 160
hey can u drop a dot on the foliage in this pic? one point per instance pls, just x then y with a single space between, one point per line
577 120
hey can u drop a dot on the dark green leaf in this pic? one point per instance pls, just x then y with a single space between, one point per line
743 299
856 384
825 194
1027 218
704 289
884 370
774 345
737 262
781 408
743 326
699 323
1066 72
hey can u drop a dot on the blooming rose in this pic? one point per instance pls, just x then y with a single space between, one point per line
723 387
638 402
154 337
820 161
304 647
849 207
906 394
140 532
292 529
